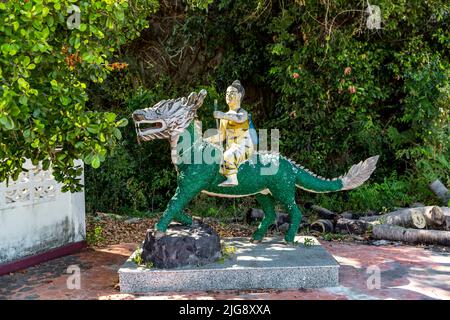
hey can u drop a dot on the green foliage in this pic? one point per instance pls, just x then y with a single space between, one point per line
95 237
137 257
45 68
308 242
228 252
382 196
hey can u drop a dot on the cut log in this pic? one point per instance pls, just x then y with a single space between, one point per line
322 226
440 191
410 217
433 215
254 215
282 218
420 217
446 212
349 226
396 233
324 213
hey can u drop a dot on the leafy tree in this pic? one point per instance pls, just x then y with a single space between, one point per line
46 65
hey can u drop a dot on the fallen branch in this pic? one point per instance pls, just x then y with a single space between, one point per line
396 233
324 213
349 226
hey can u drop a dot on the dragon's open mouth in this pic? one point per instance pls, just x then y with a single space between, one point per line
146 127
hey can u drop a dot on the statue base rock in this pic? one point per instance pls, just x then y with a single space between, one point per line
181 246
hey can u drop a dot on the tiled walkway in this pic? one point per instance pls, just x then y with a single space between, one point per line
406 272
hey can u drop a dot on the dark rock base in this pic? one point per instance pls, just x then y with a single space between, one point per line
181 246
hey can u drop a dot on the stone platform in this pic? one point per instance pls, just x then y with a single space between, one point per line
267 265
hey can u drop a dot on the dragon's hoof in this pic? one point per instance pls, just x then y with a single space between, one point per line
255 240
159 234
288 243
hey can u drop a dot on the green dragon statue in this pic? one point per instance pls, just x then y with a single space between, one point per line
172 119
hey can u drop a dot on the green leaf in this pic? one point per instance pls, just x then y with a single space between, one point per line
119 15
25 61
65 100
45 164
88 159
45 11
35 143
93 128
54 83
26 133
117 133
7 122
95 162
122 122
23 84
110 117
23 100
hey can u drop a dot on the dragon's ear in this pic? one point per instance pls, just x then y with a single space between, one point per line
200 98
195 101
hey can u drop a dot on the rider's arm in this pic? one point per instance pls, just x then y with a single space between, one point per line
238 117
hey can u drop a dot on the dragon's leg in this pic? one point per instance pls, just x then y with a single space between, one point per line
184 194
268 206
295 215
183 218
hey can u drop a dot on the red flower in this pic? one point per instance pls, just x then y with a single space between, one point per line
295 75
352 89
347 70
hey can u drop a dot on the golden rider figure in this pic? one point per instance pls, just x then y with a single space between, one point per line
234 127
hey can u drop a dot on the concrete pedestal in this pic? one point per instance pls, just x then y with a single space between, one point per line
267 265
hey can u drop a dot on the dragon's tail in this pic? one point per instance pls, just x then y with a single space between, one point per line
355 177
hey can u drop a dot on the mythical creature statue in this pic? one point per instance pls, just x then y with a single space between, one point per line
173 119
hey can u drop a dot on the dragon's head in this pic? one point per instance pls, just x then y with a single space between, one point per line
167 118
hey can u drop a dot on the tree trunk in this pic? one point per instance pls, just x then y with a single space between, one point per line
440 191
324 213
396 233
419 217
349 226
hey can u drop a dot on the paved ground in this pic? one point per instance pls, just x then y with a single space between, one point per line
406 272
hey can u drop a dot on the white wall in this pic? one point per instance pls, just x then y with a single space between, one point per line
36 216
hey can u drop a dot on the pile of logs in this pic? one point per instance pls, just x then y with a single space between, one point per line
417 224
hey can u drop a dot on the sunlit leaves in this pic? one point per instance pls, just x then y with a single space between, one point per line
44 68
